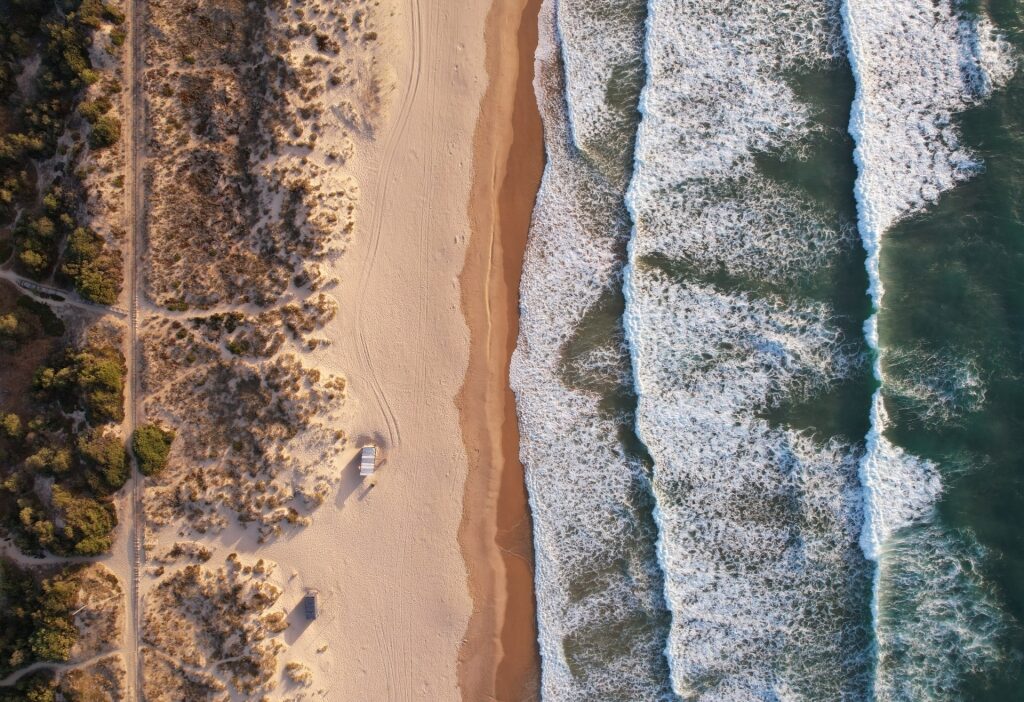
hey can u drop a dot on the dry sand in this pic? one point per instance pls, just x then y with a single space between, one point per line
385 553
425 570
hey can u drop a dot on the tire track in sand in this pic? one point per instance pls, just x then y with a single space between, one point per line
377 221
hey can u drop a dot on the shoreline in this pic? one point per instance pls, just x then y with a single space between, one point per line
499 658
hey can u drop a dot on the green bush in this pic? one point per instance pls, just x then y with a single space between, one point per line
152 446
49 460
106 131
92 110
101 382
100 282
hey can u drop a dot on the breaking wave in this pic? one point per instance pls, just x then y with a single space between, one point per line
758 523
601 612
916 66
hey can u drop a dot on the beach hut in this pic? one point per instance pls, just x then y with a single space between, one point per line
309 605
367 460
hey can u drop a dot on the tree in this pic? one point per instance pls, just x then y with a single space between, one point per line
33 261
88 524
10 423
8 326
104 456
100 381
100 281
55 633
97 273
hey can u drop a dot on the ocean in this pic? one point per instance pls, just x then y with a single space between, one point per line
769 373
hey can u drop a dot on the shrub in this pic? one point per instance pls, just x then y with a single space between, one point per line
52 324
92 110
152 446
37 687
105 132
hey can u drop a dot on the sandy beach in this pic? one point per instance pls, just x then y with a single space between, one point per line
410 584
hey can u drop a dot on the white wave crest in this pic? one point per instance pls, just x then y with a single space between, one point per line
916 66
900 489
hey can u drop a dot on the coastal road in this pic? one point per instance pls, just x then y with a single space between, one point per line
135 216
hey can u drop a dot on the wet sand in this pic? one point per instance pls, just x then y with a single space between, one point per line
499 658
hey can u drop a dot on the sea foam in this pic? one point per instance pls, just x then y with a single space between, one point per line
601 613
758 523
599 42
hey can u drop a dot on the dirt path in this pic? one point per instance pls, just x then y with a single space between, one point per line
17 675
38 292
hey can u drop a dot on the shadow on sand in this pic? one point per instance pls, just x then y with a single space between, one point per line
297 623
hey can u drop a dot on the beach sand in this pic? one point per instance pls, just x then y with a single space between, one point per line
404 599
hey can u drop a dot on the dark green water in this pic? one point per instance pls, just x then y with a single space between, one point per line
952 327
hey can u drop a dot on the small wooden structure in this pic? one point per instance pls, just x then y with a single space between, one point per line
309 605
367 460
